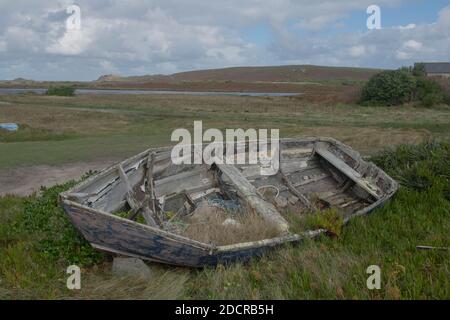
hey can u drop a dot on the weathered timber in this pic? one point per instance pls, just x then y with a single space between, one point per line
248 192
191 181
291 188
150 182
348 171
136 205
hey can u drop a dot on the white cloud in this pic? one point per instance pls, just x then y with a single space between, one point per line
388 47
407 27
73 42
413 44
357 51
402 55
3 46
172 35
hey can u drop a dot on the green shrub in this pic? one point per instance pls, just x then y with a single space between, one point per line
431 99
447 98
429 92
329 219
419 70
61 91
390 88
54 235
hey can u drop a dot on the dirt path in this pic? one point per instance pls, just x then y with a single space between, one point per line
23 181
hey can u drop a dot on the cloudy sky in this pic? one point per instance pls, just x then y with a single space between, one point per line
165 36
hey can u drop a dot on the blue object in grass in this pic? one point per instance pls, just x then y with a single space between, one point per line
9 126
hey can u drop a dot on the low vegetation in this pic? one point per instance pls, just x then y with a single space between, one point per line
37 243
389 88
405 85
64 91
55 130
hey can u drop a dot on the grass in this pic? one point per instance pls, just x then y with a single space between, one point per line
58 130
206 225
37 245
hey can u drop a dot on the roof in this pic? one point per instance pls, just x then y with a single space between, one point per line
437 67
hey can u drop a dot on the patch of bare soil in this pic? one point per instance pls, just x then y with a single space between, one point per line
24 181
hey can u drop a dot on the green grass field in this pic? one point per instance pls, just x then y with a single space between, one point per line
37 243
58 130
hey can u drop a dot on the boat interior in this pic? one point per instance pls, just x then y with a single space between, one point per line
313 175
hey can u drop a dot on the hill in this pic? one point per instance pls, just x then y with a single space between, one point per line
293 73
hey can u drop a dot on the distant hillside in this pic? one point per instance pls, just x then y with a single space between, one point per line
294 73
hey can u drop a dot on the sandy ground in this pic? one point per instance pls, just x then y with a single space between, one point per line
23 181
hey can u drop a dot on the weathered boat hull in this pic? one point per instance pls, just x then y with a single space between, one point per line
121 236
113 234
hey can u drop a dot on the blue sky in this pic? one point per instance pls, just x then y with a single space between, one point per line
167 36
415 11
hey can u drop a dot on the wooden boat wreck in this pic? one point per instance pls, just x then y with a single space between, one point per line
315 173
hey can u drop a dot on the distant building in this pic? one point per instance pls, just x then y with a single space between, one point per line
433 69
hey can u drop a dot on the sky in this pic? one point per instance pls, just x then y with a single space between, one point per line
53 40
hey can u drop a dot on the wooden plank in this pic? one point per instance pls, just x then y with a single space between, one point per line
136 205
288 166
148 216
150 182
347 171
292 189
195 180
249 193
131 197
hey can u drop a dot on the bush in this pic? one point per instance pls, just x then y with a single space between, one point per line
389 88
61 91
419 70
429 92
53 233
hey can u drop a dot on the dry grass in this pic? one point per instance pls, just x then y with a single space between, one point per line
207 225
163 284
128 124
62 120
289 273
366 140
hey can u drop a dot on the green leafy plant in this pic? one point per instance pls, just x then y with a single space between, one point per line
328 219
54 234
390 88
429 92
64 91
419 70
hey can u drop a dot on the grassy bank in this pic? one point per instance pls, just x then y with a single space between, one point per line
37 243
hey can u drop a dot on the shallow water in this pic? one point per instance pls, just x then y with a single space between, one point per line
118 91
